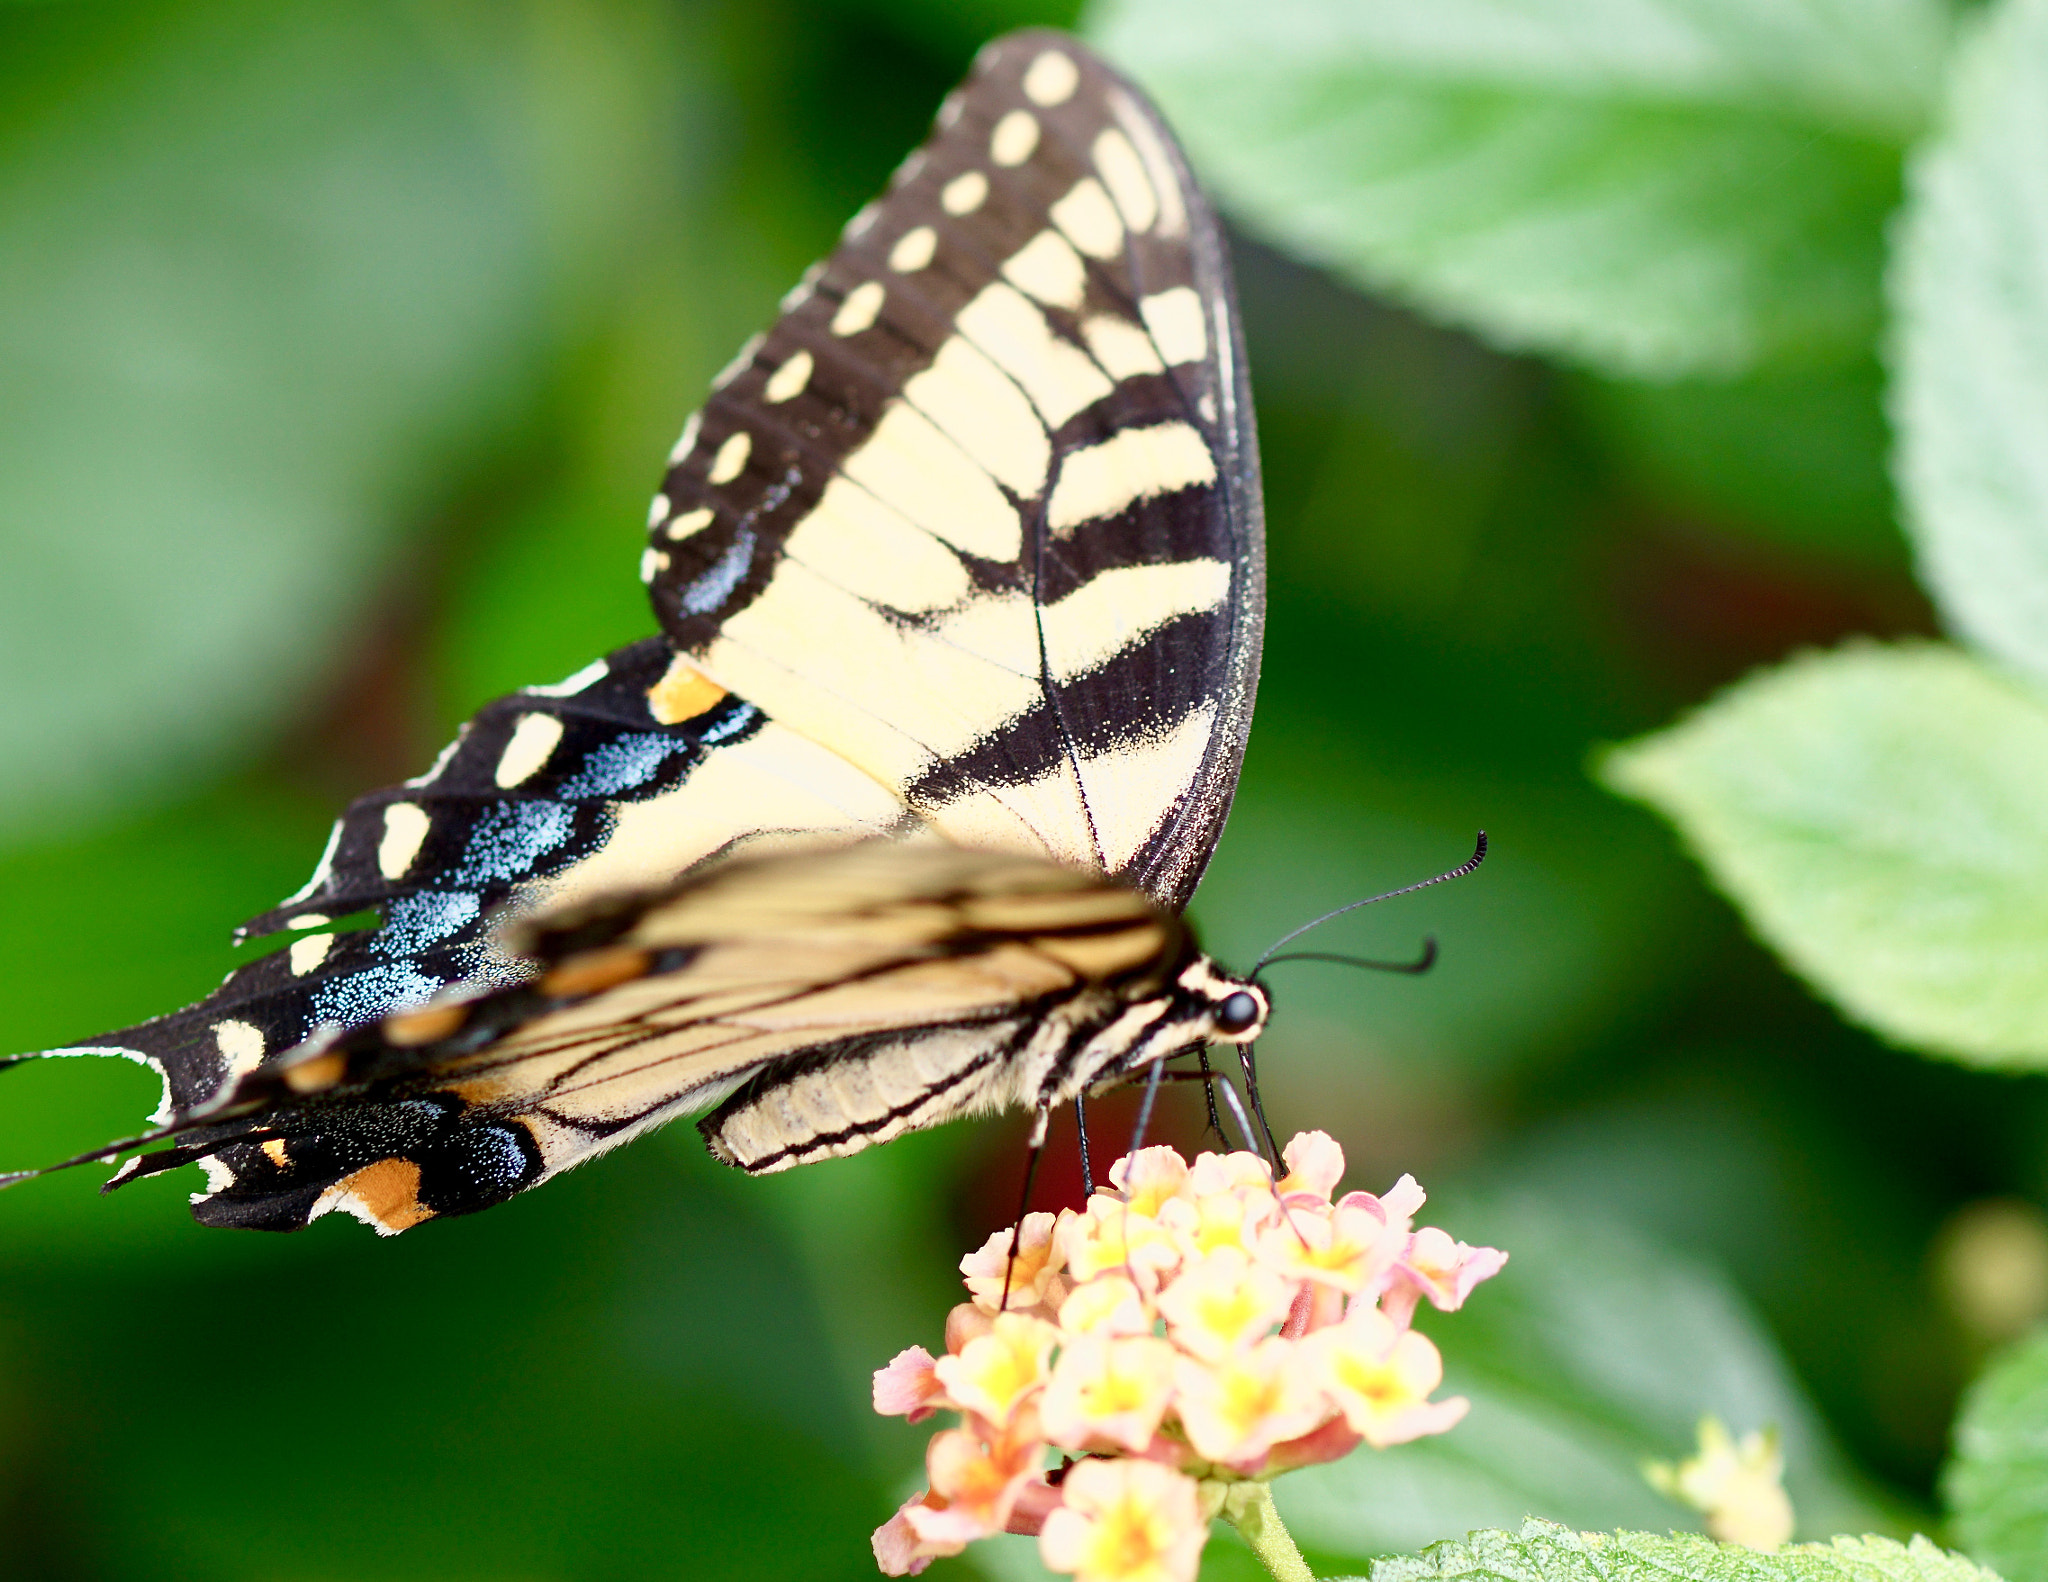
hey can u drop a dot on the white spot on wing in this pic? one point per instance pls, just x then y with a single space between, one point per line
800 293
308 920
1114 609
240 1044
589 676
1129 466
1048 267
1051 79
1132 788
965 394
1157 163
1014 139
658 511
1056 374
688 442
731 459
863 305
653 562
1177 324
852 539
308 953
1121 347
913 250
964 193
532 743
788 381
405 831
690 522
910 464
1128 184
1089 219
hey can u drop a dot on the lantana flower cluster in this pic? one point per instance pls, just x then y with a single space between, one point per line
1194 1328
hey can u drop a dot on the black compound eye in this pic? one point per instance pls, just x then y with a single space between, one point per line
1237 1012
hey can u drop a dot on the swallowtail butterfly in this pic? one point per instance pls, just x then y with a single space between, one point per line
959 574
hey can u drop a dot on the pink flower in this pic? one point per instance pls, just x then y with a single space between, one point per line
1237 1409
1443 1270
1222 1304
1125 1521
908 1388
1380 1377
1108 1392
1315 1164
1190 1334
994 1373
989 1272
1149 1178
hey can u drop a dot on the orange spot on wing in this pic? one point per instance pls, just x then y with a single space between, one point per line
594 970
389 1192
310 1076
682 694
424 1026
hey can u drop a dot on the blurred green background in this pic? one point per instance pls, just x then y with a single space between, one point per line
340 344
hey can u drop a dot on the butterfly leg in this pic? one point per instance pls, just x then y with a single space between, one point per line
1031 1157
1251 1093
1209 1095
1081 1126
1145 1109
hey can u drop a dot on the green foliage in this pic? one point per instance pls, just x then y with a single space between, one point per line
1970 343
1877 813
1544 1552
1594 1350
1994 1485
1652 188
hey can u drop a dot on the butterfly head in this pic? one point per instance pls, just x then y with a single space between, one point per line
1229 1010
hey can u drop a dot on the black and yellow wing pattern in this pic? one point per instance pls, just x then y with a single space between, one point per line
959 575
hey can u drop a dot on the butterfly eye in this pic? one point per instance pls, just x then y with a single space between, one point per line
1237 1013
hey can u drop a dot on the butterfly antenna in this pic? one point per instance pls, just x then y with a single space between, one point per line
1421 963
1478 856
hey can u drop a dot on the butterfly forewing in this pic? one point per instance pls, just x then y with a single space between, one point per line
966 548
981 511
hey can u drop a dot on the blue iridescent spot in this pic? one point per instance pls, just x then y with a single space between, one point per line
376 991
622 764
413 923
711 590
509 841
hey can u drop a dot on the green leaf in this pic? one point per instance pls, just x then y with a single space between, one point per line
1594 1350
1653 187
1970 351
1543 1552
1995 1483
1877 813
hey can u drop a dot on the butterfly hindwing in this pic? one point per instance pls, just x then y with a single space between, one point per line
981 511
823 1000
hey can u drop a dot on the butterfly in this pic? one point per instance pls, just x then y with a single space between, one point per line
960 583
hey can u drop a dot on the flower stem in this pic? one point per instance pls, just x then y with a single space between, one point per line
1249 1508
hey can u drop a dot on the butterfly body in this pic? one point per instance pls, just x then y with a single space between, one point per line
960 583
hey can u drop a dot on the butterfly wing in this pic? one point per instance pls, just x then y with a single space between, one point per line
969 542
981 513
831 1000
